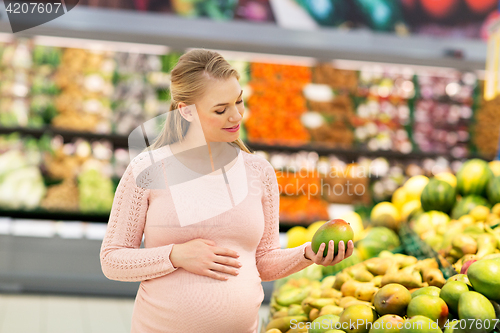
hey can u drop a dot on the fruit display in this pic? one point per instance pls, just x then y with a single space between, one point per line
84 78
452 214
50 175
382 110
62 197
141 83
390 288
46 59
368 242
300 209
95 191
15 72
444 112
486 135
378 286
323 104
330 106
276 104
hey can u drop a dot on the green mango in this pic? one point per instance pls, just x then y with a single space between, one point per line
293 296
474 307
484 275
324 323
451 293
285 323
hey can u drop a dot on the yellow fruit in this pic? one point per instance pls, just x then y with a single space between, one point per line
296 236
447 177
356 224
496 209
414 186
479 213
495 167
312 228
399 198
385 214
466 220
409 208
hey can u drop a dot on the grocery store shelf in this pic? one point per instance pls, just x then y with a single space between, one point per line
118 141
355 153
121 141
265 38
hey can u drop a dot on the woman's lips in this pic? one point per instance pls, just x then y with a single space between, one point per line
232 129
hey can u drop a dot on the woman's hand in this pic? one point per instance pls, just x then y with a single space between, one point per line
202 257
329 260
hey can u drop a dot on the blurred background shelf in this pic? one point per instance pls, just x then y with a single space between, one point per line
121 141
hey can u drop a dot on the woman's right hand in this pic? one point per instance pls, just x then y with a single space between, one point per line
203 257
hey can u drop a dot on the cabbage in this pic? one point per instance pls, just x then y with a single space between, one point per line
11 160
22 188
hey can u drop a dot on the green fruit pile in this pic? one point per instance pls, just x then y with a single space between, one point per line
459 216
390 293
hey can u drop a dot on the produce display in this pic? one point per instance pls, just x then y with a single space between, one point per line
486 134
383 113
444 112
49 175
372 107
21 182
276 104
456 214
15 73
84 78
390 288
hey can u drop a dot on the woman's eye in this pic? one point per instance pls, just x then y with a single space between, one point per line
221 111
239 102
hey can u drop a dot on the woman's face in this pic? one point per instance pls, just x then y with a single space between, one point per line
221 110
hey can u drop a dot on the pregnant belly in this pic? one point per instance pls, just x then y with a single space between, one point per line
186 302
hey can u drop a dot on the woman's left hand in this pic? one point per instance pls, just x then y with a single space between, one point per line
329 260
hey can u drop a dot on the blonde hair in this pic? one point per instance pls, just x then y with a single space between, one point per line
189 80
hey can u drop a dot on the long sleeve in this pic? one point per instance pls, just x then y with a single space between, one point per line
273 262
121 257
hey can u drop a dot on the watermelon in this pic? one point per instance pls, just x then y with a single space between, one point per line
464 206
438 195
473 177
493 190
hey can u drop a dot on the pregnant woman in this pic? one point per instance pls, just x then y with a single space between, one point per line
208 211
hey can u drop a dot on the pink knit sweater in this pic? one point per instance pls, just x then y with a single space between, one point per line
172 299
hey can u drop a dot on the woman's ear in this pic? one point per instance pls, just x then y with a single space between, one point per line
186 111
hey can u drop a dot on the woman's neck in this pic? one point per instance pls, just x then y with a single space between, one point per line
215 150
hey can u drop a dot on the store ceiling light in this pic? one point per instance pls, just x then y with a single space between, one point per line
100 45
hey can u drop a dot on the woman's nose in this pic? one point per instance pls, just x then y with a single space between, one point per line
235 116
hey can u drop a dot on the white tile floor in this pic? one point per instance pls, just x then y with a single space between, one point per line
26 313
